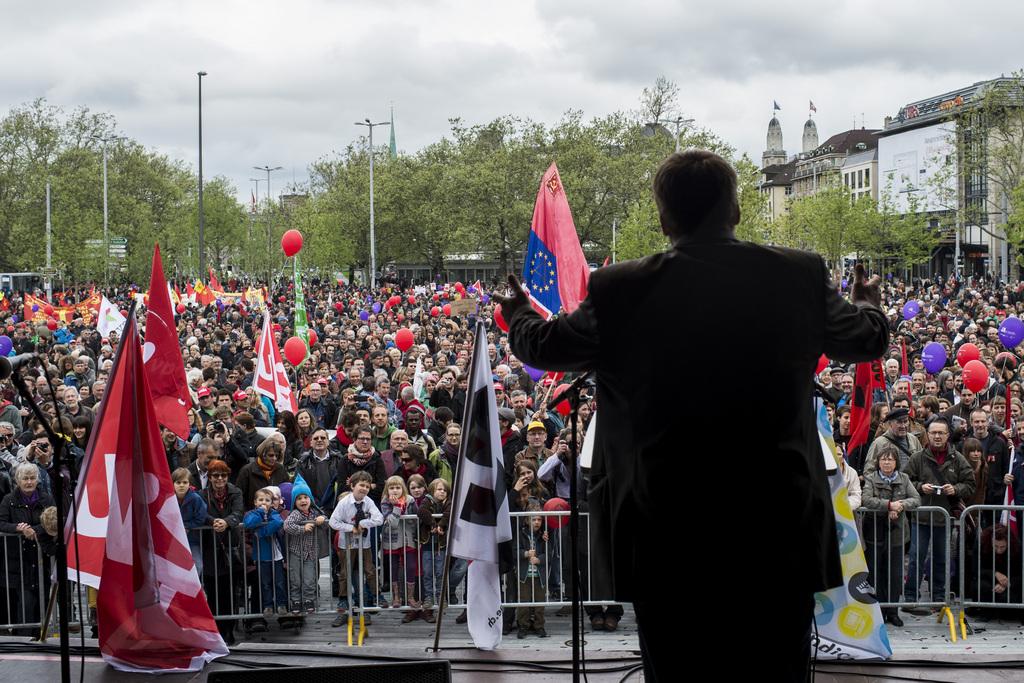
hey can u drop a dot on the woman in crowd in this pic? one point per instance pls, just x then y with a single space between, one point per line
222 545
889 495
27 577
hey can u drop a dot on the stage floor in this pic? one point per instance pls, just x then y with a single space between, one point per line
922 651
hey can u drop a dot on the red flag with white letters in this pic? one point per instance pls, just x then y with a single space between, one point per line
162 355
271 379
151 610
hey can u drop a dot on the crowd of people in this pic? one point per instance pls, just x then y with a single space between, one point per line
935 444
359 478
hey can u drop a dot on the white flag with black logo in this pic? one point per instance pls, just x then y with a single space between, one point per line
480 518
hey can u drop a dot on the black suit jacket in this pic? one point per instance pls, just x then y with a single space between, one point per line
686 458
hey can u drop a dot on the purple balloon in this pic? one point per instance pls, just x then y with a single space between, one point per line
471 290
1011 332
5 345
534 373
376 307
14 318
35 308
934 357
364 315
843 284
911 309
485 298
286 493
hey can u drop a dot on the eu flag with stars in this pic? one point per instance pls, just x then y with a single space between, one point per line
555 271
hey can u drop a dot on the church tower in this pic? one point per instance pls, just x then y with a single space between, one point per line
810 136
774 152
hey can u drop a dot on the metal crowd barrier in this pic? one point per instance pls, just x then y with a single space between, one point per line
26 582
991 566
900 563
400 580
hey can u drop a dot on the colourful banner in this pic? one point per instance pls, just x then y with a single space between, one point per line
849 620
88 308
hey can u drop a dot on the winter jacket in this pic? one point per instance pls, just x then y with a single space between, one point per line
397 533
265 526
530 539
346 468
302 544
222 550
251 479
193 515
887 439
427 509
877 494
924 469
22 554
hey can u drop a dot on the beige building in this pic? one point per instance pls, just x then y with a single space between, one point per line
825 162
860 174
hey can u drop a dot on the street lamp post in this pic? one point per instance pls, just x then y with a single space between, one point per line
373 245
106 235
270 245
202 234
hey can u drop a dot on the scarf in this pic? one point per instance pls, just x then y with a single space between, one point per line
891 478
940 456
357 458
220 499
265 468
30 499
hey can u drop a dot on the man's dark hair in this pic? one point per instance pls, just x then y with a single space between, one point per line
696 187
444 414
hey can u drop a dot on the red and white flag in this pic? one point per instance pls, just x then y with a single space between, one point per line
271 379
152 612
164 366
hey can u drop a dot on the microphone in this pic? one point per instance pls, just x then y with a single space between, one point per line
9 365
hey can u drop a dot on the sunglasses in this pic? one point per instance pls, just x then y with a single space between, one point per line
218 476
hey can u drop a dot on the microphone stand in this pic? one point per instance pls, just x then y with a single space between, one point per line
57 444
572 394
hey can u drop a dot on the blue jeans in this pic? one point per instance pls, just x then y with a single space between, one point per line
272 584
924 537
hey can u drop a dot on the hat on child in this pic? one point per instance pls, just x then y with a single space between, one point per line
300 488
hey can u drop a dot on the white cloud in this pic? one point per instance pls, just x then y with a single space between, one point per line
287 80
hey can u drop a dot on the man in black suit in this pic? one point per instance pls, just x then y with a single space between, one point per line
755 528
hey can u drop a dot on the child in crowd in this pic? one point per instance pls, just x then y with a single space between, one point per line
434 539
398 539
303 563
354 516
264 521
532 570
193 513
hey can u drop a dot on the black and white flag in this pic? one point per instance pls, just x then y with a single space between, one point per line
480 518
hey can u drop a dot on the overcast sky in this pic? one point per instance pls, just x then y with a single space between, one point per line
288 79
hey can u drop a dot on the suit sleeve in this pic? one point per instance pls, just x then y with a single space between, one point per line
853 332
566 342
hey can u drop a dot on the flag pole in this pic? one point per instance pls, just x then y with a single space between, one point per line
459 472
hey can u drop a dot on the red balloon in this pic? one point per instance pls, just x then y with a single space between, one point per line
411 300
500 319
966 353
291 242
556 505
124 313
295 350
435 311
563 408
437 297
312 337
48 309
459 287
338 306
51 324
400 317
282 299
975 375
447 308
10 328
822 364
275 327
404 339
180 308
